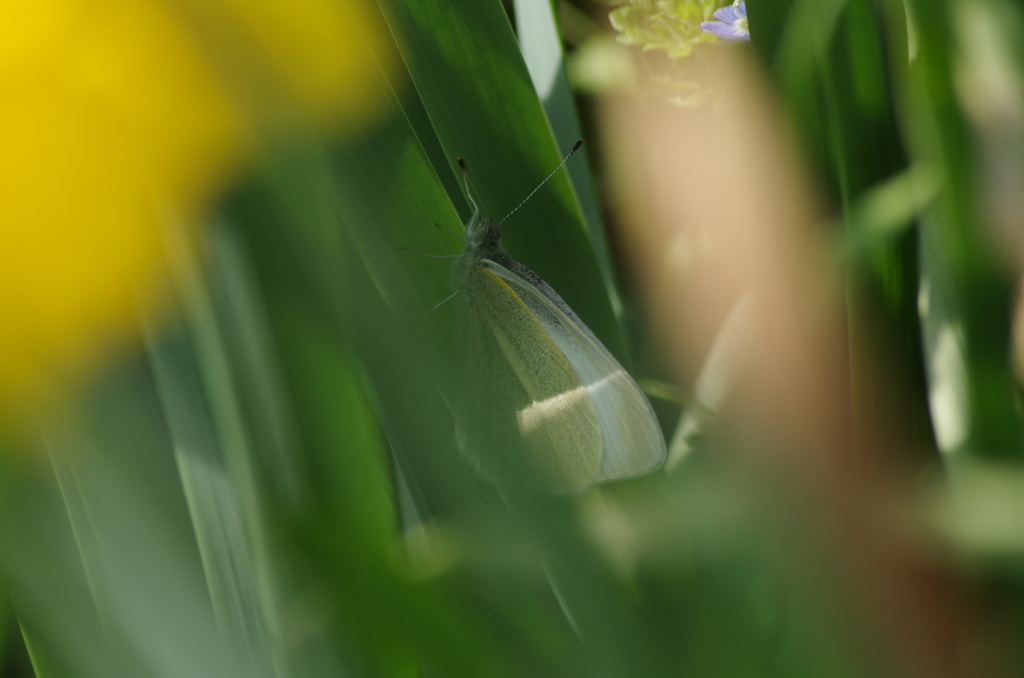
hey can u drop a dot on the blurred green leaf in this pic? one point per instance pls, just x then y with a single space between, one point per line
969 293
98 546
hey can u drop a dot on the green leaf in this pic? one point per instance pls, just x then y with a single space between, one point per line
541 45
475 86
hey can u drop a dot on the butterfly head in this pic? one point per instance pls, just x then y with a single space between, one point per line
483 241
483 234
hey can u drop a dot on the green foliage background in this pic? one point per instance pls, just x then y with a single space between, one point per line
271 486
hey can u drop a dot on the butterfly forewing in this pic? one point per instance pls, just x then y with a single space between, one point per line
527 412
632 443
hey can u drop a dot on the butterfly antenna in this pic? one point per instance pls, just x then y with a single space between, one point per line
465 181
568 155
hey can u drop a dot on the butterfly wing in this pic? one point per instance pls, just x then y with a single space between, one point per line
526 411
631 437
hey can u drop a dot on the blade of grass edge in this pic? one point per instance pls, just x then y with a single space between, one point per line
540 41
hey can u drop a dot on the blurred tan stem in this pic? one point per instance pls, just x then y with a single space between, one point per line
716 203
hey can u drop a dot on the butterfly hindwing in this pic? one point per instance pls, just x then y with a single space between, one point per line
632 443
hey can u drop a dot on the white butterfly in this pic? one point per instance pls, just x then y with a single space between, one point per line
543 401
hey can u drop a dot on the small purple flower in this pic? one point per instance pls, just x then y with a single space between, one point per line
731 24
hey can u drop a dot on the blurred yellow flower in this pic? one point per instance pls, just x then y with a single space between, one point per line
114 110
